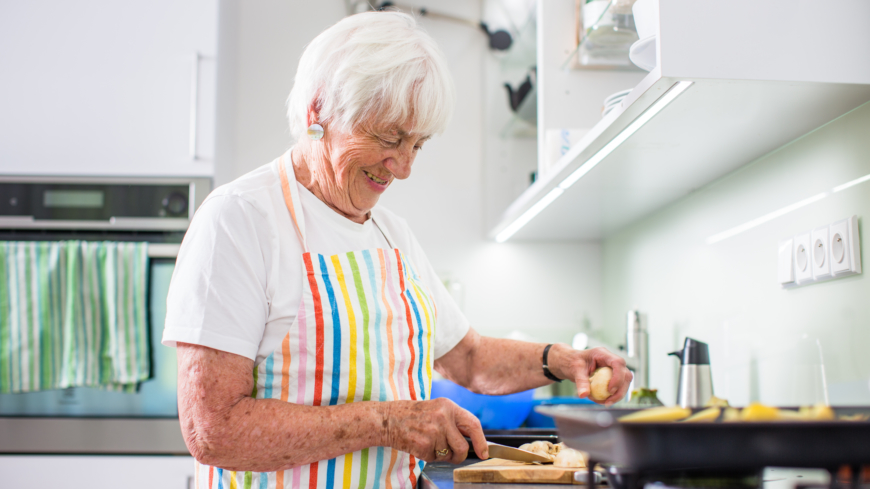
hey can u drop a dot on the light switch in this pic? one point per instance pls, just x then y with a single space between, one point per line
785 269
803 270
841 261
821 262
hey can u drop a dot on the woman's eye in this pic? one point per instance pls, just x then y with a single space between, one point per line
387 142
419 147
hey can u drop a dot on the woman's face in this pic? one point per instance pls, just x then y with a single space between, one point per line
358 167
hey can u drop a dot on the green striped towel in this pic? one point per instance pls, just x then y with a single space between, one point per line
73 313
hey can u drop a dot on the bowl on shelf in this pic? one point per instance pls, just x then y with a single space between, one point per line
643 53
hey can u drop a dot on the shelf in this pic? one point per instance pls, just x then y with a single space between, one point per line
735 110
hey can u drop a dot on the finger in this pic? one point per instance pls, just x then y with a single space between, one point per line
581 378
458 445
469 426
623 389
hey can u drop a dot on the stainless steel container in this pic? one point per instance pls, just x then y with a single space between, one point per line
696 381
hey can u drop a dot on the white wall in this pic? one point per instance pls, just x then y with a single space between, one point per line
546 290
762 337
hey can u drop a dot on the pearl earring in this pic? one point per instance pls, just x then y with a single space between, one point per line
315 132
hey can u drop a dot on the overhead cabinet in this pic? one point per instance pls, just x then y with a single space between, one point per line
733 81
102 87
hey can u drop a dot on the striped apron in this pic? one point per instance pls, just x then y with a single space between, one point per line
364 331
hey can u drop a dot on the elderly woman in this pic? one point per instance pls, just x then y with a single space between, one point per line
308 320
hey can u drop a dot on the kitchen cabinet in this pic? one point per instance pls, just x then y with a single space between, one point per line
99 87
98 472
733 82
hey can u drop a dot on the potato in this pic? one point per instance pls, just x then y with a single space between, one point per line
706 416
657 415
599 382
568 457
543 448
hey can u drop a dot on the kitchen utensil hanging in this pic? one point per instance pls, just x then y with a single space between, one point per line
499 40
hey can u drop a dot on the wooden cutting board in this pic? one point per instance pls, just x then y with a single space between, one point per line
498 470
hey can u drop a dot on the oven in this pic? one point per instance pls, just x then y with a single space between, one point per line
85 420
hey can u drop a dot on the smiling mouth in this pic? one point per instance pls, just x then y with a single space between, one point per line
375 179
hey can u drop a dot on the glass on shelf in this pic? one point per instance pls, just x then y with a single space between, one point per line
606 32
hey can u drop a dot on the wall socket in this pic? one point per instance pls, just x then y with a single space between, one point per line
827 252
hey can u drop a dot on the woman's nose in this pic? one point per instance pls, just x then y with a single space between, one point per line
400 163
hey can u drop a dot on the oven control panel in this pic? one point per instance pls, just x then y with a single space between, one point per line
96 204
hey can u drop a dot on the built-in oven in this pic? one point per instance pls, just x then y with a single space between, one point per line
90 419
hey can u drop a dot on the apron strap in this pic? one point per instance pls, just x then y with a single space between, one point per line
293 202
291 197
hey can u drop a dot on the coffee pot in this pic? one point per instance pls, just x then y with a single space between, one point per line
696 381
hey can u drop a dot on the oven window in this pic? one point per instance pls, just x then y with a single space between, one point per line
156 397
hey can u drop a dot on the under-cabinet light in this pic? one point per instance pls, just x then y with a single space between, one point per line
657 106
528 215
746 226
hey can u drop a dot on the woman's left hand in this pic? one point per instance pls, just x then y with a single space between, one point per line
578 365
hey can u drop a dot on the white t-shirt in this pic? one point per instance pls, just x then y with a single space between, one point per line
237 282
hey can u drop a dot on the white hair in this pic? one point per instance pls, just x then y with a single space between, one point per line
372 66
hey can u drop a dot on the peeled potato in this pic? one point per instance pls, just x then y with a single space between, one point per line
706 416
568 457
599 382
543 448
657 415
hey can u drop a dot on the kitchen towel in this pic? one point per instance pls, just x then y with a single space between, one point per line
72 314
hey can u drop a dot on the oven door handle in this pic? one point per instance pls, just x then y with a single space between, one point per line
163 250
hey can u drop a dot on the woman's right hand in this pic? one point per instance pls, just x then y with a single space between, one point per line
422 428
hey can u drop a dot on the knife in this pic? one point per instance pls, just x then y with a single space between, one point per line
510 453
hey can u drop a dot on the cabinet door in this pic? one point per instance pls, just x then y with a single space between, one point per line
102 87
97 472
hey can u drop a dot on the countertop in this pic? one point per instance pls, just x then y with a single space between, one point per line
439 475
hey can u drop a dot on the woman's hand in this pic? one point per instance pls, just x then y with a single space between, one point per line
578 365
423 428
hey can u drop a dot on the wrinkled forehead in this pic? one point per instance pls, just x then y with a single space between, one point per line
404 129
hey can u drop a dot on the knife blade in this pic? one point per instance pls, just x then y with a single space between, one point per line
510 453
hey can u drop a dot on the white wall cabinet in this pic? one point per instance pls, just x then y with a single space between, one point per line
97 472
100 87
729 87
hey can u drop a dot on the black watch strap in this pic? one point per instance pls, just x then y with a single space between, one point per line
547 372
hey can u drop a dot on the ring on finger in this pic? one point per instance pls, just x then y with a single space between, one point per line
442 453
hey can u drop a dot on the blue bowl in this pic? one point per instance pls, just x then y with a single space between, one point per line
538 420
494 412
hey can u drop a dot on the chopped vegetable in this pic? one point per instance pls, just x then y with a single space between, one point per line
716 402
706 416
568 457
599 382
644 397
731 414
657 415
759 412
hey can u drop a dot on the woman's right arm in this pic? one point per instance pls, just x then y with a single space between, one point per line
225 427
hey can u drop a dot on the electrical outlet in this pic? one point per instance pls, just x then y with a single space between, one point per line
824 253
841 257
803 270
821 262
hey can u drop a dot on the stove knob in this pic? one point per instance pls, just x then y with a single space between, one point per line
175 204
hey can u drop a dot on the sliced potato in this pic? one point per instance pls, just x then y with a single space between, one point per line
568 457
706 416
731 414
716 402
657 415
759 412
599 381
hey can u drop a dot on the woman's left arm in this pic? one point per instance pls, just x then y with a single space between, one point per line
498 366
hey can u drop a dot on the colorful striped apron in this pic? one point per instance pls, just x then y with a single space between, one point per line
364 332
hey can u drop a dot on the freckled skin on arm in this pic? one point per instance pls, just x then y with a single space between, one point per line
225 427
498 366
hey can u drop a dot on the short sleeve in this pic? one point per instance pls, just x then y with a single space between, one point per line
452 325
217 297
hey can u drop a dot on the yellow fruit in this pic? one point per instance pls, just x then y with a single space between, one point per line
657 415
759 412
706 416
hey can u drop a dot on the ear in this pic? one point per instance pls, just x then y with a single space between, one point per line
313 112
